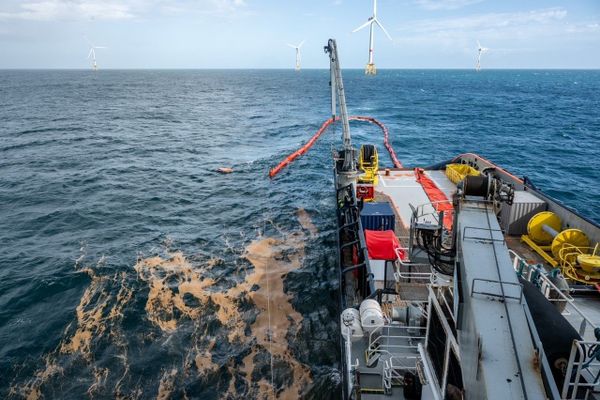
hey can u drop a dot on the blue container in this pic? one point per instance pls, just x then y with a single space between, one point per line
377 216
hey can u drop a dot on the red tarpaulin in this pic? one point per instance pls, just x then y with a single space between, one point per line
382 245
436 197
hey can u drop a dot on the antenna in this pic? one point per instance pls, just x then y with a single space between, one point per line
370 68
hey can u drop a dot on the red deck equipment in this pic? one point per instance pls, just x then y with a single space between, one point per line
437 198
382 245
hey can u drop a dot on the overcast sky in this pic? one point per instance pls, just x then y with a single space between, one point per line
254 33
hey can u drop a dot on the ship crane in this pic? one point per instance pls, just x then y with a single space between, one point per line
338 96
346 163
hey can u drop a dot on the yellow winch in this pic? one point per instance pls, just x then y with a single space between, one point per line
368 162
568 249
589 262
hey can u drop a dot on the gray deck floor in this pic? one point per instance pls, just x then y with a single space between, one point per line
403 189
442 182
590 306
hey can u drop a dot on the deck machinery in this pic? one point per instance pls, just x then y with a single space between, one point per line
454 305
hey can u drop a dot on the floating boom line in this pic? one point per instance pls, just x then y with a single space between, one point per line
304 149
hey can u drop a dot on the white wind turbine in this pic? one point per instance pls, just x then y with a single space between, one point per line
297 53
92 53
370 69
480 50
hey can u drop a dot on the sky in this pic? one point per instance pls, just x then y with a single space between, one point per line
254 33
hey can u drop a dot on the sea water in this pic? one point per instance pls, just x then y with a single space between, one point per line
130 268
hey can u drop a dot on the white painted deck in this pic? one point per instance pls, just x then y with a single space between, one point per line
404 190
442 182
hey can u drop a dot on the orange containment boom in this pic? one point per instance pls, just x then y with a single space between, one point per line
386 143
437 198
302 150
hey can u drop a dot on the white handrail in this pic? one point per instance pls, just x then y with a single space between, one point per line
568 299
578 352
382 348
406 263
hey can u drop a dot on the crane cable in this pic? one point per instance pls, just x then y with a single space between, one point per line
304 149
270 329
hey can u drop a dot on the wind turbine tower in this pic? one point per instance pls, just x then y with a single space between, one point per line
480 50
370 69
298 57
92 54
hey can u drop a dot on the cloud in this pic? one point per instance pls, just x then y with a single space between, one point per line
228 5
63 9
512 31
585 27
435 5
48 10
488 21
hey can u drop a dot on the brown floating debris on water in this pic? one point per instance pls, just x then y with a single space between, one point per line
180 291
173 277
100 376
167 384
269 274
170 280
98 314
306 222
31 390
225 170
203 359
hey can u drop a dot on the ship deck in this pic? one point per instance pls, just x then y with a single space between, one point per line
385 356
402 190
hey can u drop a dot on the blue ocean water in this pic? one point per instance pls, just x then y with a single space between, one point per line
130 268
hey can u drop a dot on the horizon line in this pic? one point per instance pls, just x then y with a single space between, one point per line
293 70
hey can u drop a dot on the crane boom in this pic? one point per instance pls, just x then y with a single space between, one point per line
337 90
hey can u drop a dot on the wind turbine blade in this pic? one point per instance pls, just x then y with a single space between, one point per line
90 53
369 22
383 29
301 43
478 45
100 47
374 8
292 46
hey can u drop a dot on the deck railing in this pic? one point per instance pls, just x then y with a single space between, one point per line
423 212
583 370
537 275
400 267
394 369
351 368
379 341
